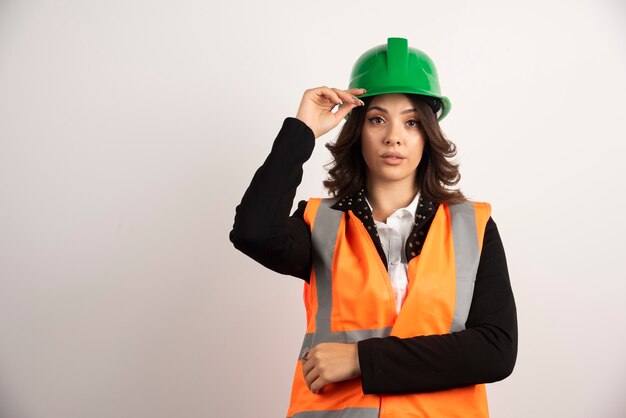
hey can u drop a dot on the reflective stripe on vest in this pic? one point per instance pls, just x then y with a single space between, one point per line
467 256
349 298
340 413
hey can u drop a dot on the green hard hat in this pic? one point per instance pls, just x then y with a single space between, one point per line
396 68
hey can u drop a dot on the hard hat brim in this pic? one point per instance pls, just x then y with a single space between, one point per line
445 102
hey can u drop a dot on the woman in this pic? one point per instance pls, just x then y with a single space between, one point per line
407 294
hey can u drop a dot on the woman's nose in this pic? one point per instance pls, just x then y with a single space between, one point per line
393 136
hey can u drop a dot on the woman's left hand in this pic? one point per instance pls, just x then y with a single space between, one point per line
329 363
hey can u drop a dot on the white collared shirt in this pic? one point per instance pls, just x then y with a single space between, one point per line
393 235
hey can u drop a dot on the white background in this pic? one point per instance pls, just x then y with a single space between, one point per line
129 130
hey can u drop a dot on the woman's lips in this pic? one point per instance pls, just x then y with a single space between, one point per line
392 158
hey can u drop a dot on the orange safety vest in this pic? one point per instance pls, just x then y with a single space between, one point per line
350 298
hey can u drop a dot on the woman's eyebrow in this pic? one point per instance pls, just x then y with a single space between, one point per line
385 110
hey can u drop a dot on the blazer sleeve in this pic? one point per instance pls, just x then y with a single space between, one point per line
484 352
263 229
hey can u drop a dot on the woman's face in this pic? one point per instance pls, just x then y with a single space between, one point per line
392 141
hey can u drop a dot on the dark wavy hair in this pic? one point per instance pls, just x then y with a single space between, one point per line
435 172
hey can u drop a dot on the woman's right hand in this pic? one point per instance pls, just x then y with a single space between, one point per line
317 104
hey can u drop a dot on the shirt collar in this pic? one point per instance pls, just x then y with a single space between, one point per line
411 207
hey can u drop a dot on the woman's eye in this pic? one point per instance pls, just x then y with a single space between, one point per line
413 123
376 120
